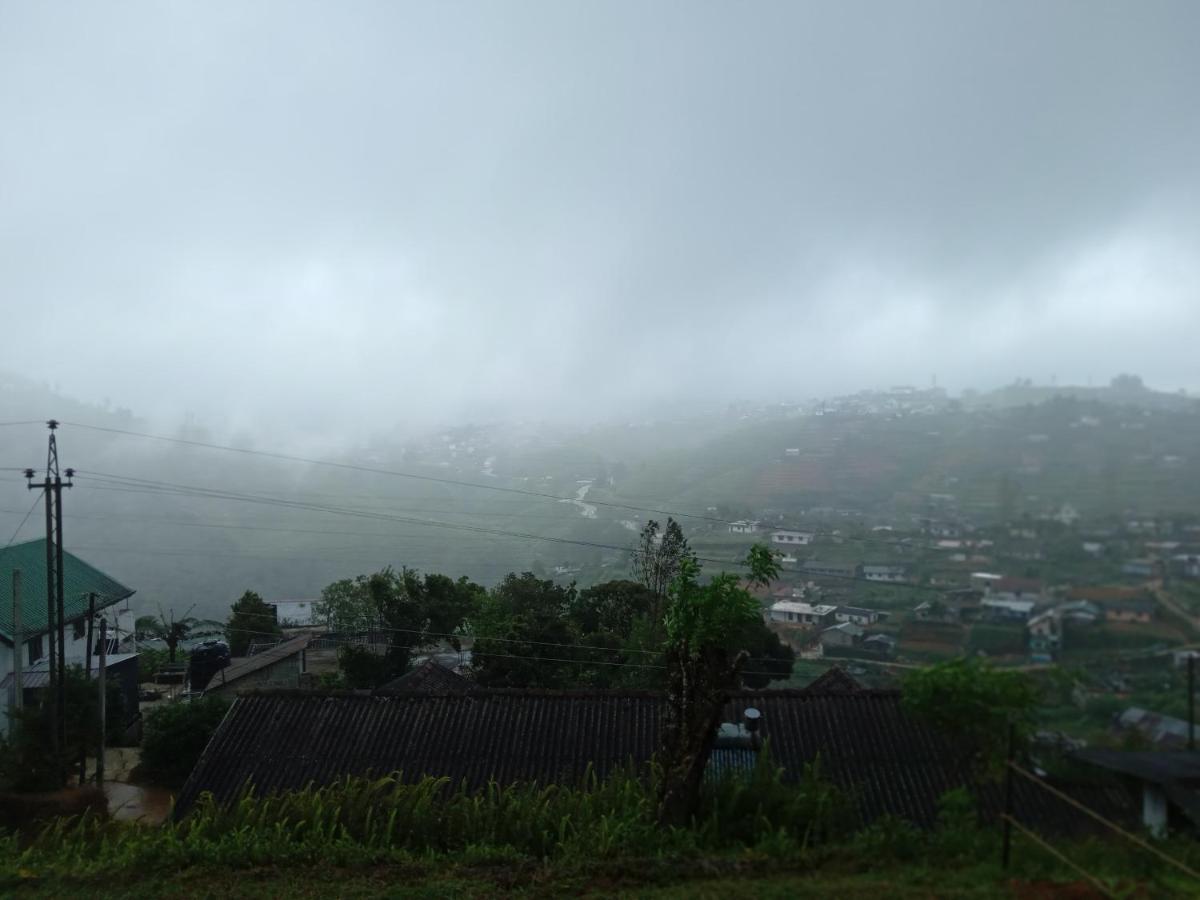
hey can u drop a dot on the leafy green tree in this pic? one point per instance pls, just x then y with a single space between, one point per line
251 620
524 636
612 607
361 668
704 625
175 735
25 763
975 701
659 558
173 631
408 609
768 658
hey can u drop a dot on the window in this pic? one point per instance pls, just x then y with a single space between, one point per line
35 649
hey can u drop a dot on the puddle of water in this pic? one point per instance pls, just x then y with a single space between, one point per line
137 803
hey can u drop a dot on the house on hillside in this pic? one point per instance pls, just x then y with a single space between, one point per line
847 634
799 612
81 582
1163 732
1169 784
821 569
743 526
882 644
858 615
1004 609
1118 604
791 538
885 573
1012 588
280 666
1141 568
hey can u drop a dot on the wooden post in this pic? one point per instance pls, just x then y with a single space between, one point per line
1008 796
18 642
103 716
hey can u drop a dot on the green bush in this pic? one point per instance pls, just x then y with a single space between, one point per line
175 735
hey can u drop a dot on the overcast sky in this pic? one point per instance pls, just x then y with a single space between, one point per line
320 214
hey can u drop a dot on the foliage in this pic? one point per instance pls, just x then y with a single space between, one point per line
174 631
174 736
769 658
362 668
972 699
659 557
25 761
150 662
251 620
524 636
703 625
410 610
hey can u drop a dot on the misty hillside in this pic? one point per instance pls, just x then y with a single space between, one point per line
190 526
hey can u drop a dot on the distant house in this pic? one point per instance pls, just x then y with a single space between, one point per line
883 644
1045 636
1164 732
846 634
80 581
295 613
1140 568
858 615
791 538
743 527
280 666
1094 549
885 573
120 669
797 612
1187 564
1012 588
832 569
1118 604
983 581
1006 609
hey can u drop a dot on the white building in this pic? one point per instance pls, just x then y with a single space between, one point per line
295 613
796 612
791 538
890 574
743 527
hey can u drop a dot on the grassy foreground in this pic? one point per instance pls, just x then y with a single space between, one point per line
755 837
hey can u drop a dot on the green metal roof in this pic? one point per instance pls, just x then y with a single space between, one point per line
79 580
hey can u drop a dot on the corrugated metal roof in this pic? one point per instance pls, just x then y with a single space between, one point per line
884 761
241 666
38 674
430 677
79 579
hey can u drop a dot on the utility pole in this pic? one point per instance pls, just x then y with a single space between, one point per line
103 716
51 488
18 643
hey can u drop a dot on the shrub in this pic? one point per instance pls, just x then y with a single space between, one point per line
175 735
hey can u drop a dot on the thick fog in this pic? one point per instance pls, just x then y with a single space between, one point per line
318 216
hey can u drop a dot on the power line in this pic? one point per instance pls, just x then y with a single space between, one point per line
150 486
37 500
354 467
28 422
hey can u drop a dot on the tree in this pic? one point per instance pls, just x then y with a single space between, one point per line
703 626
612 607
768 658
409 610
524 636
969 698
176 734
172 631
251 619
659 558
25 763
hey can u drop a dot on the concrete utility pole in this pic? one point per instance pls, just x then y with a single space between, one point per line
103 716
18 648
51 488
